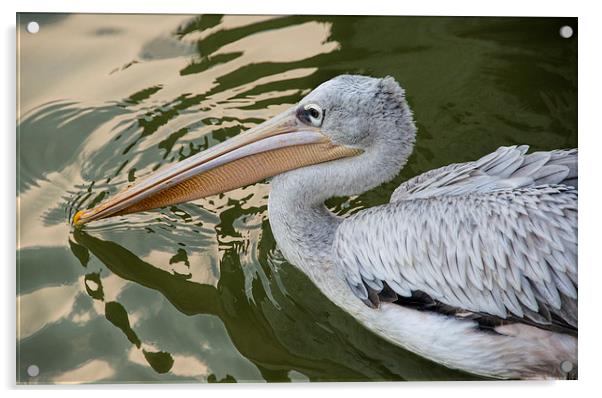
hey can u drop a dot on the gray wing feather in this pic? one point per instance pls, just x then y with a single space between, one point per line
496 236
506 168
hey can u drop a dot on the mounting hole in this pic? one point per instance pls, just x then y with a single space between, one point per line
33 370
566 366
566 32
33 27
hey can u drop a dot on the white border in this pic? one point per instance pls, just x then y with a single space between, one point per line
344 7
590 131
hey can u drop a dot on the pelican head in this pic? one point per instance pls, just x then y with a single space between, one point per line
350 134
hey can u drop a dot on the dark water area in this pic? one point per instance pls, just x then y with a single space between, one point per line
200 292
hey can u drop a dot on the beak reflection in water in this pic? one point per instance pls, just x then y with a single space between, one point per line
278 145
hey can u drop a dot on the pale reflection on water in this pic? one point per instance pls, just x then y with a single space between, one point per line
199 291
45 306
93 371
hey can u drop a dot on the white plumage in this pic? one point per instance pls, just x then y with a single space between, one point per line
483 241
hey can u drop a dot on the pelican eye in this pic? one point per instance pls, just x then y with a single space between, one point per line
313 114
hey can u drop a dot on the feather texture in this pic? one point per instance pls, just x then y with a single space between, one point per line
495 236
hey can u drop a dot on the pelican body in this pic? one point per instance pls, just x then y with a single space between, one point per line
472 265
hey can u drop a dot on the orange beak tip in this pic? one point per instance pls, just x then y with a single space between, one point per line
76 218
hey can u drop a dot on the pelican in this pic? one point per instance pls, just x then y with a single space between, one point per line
472 265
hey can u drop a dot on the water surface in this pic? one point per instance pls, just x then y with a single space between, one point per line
199 291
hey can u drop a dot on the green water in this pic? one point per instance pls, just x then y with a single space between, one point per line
200 292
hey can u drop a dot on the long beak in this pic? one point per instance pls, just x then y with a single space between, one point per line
278 145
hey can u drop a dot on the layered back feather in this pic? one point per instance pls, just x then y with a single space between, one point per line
496 236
